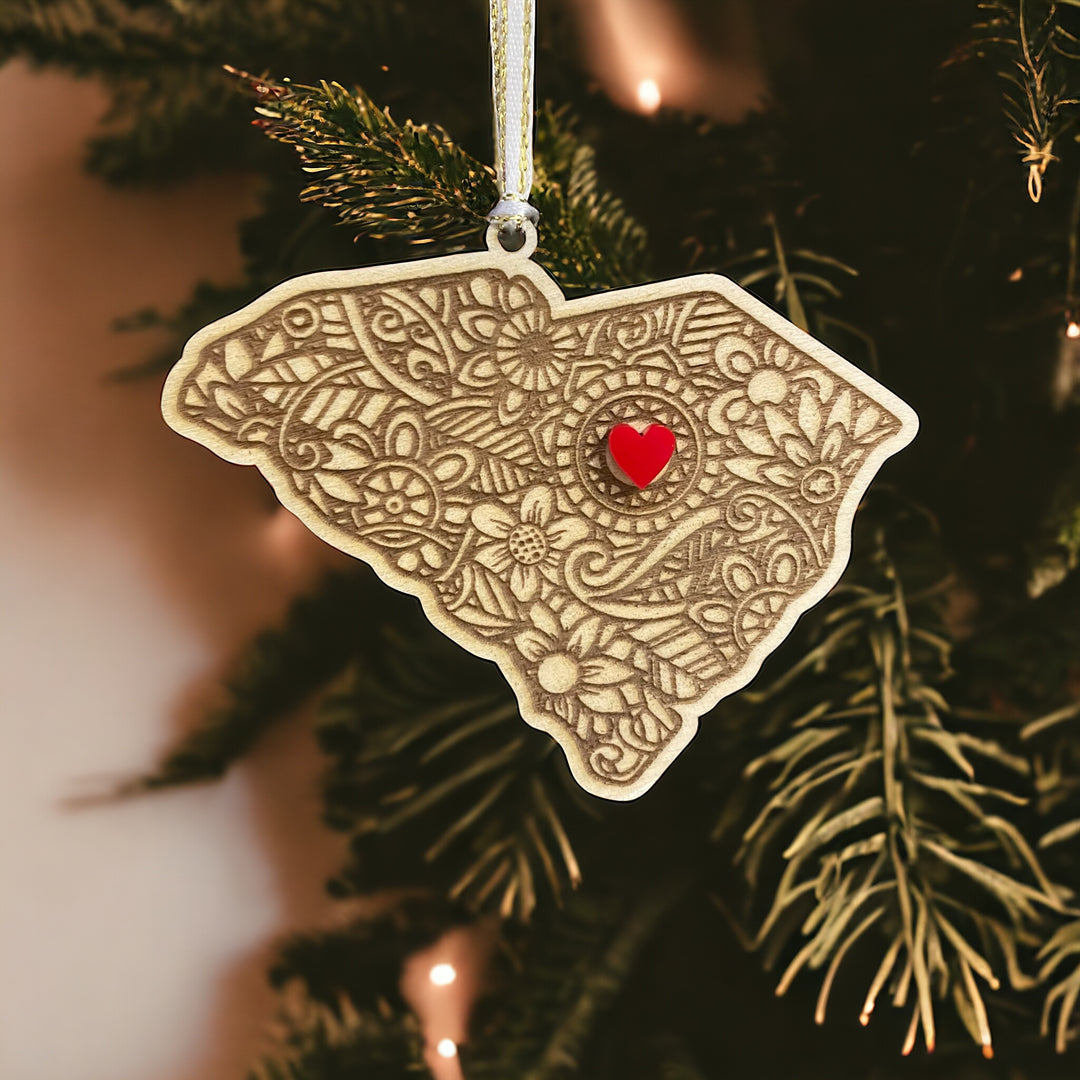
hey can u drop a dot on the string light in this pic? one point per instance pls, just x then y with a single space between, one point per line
1073 330
442 974
446 1048
648 95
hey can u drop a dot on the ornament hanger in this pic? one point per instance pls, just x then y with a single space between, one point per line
513 36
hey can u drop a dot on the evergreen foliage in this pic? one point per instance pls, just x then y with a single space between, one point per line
282 668
885 825
1038 105
320 1042
890 812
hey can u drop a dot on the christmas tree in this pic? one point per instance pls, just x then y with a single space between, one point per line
882 825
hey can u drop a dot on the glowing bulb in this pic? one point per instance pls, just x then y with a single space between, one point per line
447 1048
442 974
648 95
1073 330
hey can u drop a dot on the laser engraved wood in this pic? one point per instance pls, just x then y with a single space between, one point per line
447 421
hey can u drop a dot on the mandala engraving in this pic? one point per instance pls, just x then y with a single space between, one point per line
447 421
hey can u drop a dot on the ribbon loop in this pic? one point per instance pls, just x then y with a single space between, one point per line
513 35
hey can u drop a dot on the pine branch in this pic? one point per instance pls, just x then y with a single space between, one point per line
342 1043
413 183
281 669
801 283
588 239
1056 552
889 831
431 756
1057 765
675 1060
362 959
206 303
1058 954
602 984
568 973
172 111
384 179
1040 99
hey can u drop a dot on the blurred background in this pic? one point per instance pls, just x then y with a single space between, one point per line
788 145
132 569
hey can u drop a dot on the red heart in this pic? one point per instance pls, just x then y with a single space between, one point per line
641 456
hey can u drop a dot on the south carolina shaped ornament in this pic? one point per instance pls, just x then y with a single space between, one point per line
449 421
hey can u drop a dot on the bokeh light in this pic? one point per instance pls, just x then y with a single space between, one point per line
648 95
443 974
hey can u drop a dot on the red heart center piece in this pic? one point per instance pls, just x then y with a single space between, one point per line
641 456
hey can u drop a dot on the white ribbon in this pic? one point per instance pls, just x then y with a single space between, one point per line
513 36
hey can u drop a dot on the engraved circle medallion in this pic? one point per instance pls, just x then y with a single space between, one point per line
399 503
625 397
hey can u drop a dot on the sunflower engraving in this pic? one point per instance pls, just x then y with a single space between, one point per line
579 662
532 352
522 546
815 446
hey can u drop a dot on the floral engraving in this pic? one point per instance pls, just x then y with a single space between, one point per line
446 421
524 543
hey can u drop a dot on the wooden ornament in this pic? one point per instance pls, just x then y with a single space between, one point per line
447 421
